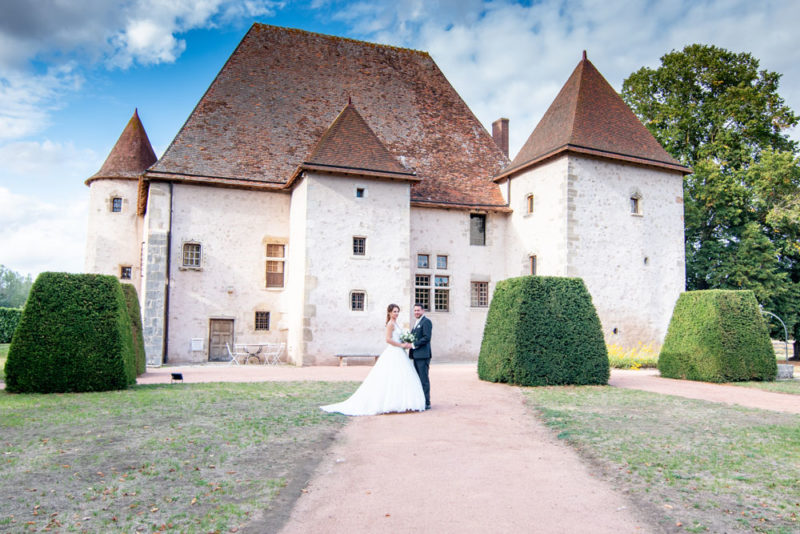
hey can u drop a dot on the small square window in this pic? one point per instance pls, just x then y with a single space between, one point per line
441 262
358 300
192 255
422 261
442 281
479 295
262 320
359 246
477 229
532 260
360 191
125 273
529 204
116 204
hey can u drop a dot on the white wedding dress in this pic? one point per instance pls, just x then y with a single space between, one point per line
391 386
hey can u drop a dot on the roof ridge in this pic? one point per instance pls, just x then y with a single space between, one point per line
337 38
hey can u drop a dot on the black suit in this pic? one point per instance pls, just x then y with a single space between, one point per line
421 354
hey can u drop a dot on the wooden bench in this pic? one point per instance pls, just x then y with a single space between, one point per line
343 361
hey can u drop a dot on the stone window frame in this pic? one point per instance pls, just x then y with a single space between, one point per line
275 264
359 245
479 294
439 266
195 258
530 200
116 203
477 238
125 272
533 264
635 205
441 293
422 290
261 320
358 300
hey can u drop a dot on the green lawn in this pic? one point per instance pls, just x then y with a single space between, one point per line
188 457
779 386
687 464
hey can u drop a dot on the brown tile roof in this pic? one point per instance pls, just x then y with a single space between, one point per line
350 146
589 117
281 89
131 156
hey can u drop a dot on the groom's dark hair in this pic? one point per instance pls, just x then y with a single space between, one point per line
419 304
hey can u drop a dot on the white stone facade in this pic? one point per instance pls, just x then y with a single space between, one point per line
581 225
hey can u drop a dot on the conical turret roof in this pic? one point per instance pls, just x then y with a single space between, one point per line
131 156
588 116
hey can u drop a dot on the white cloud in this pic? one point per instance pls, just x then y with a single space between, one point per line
71 36
508 59
27 160
38 236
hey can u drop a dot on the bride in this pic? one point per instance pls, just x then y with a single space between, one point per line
392 385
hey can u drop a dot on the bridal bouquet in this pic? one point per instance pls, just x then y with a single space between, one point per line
406 337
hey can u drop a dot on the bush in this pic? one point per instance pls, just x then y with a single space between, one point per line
9 319
135 316
543 331
74 335
717 336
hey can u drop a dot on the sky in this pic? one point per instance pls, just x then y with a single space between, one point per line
73 71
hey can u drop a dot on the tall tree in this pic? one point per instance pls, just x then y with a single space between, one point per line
14 288
716 112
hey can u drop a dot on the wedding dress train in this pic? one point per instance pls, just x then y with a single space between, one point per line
391 386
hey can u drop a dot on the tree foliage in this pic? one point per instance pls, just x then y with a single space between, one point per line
716 112
14 288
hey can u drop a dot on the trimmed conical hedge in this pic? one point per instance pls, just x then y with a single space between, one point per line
542 331
717 336
74 335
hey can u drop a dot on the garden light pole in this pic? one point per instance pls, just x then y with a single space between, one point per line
785 333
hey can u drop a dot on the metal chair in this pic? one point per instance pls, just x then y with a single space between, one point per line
235 354
273 352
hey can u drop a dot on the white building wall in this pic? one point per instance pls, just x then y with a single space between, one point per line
233 227
633 265
114 238
543 232
457 333
334 216
299 330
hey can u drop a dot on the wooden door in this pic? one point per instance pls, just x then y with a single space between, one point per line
221 332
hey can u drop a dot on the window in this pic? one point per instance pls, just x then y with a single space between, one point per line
477 229
359 246
529 204
635 206
479 295
422 261
360 191
358 300
532 260
192 255
441 293
262 320
116 204
275 264
441 262
125 272
422 290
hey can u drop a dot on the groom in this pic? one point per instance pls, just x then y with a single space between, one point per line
420 351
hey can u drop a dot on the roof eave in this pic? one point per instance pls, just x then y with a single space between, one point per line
677 167
352 171
500 208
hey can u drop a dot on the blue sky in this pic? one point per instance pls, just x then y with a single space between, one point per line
72 72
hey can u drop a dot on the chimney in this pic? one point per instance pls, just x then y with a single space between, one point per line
500 134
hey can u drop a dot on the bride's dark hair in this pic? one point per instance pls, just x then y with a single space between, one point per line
389 311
